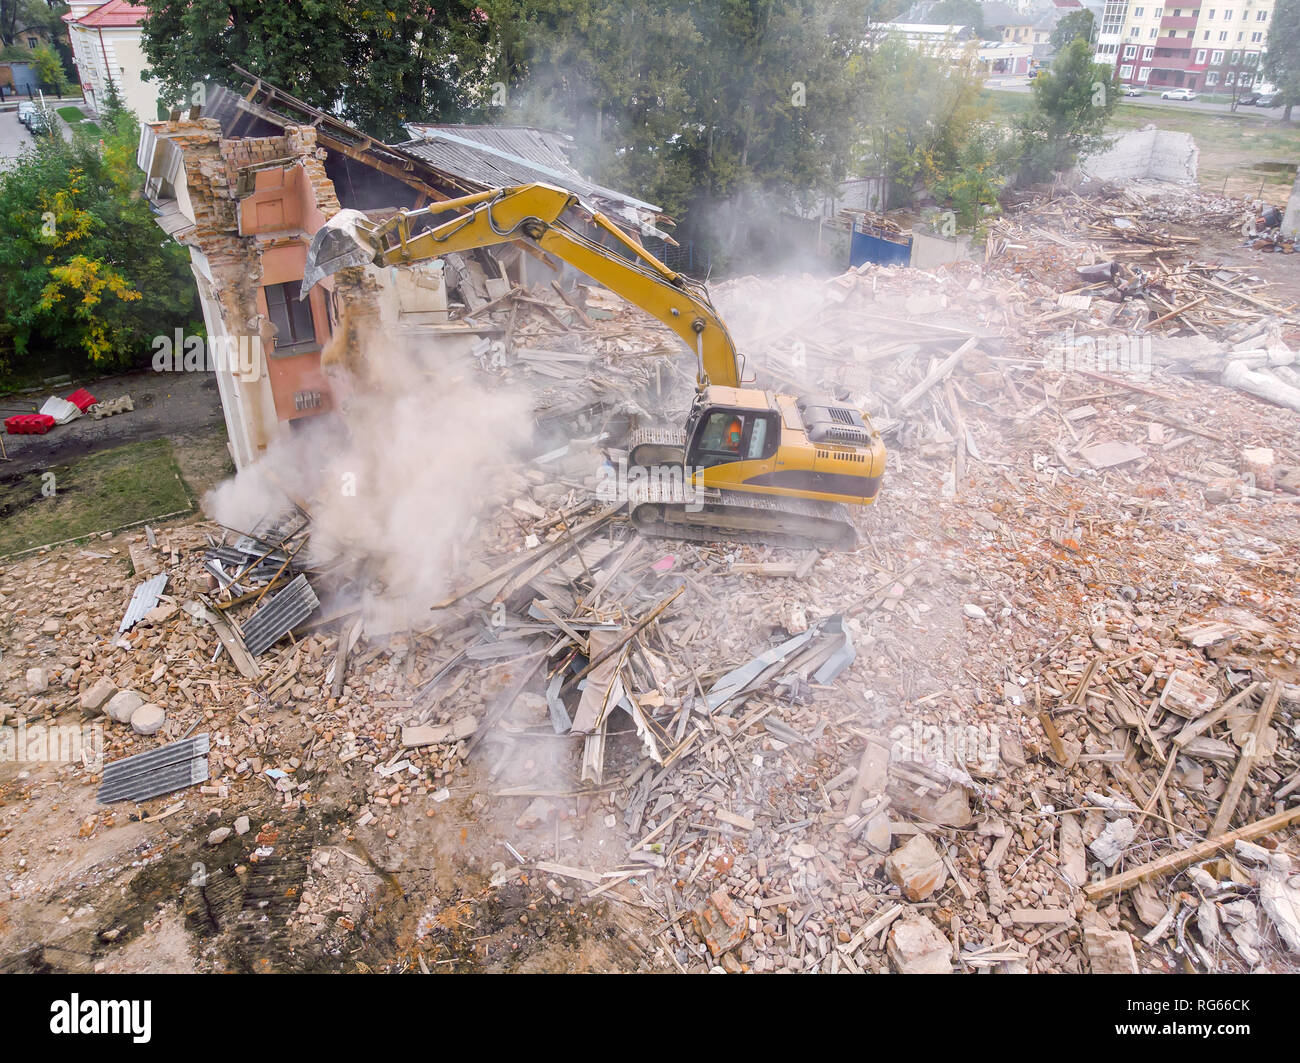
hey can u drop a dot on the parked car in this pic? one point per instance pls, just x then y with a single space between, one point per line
39 123
1269 99
1178 94
25 110
1132 90
1248 99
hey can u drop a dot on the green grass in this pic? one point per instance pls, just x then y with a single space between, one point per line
99 493
71 115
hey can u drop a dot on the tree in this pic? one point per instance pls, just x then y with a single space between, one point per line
922 110
376 65
1282 56
86 276
1071 105
49 69
1077 25
714 111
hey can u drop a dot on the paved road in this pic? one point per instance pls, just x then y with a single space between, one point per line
13 137
1152 99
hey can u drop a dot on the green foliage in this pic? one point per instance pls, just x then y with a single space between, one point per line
49 69
1077 25
921 113
1071 105
691 106
1282 57
376 65
86 277
969 186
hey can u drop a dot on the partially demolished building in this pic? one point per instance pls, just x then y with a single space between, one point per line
245 180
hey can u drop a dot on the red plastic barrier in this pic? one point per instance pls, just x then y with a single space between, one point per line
82 399
29 424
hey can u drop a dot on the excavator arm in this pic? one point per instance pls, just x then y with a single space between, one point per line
534 213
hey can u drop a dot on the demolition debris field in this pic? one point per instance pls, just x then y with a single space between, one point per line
1044 718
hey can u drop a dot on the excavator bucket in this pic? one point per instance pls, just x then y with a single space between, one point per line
347 239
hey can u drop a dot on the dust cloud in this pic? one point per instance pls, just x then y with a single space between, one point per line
393 479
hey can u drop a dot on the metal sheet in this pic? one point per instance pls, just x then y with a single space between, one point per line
144 599
280 615
158 771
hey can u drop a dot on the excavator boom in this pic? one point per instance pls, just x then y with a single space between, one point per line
534 213
770 467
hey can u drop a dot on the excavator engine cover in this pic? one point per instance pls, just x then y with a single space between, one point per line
826 421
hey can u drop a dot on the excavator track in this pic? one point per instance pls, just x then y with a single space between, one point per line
667 508
652 446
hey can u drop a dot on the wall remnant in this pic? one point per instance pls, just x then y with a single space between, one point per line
1152 153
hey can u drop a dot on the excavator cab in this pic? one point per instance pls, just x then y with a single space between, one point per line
721 434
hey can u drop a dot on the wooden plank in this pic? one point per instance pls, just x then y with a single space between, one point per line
248 667
1166 865
1232 797
938 373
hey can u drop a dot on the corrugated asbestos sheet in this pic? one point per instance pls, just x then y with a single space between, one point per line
144 599
505 157
159 771
280 615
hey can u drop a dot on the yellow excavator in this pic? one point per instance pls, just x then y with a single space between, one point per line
751 465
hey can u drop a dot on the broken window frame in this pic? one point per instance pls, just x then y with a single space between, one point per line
294 333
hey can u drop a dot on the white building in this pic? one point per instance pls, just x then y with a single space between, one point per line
105 40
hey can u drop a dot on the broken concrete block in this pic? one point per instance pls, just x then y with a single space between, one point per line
93 700
219 835
719 922
425 735
1220 489
463 728
122 705
946 808
1279 896
37 681
1109 951
535 814
917 946
242 825
1188 695
879 834
1111 842
148 719
916 868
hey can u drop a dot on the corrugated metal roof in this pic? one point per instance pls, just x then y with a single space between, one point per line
280 615
158 771
144 599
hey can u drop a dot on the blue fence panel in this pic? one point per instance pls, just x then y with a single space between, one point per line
863 247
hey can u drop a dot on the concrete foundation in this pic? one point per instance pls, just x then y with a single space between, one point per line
1291 219
1151 153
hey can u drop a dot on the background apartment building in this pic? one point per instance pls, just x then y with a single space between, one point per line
1202 45
105 40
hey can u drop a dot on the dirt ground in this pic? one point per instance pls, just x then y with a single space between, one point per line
183 406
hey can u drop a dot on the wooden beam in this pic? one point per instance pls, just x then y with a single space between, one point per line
1249 751
1200 851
